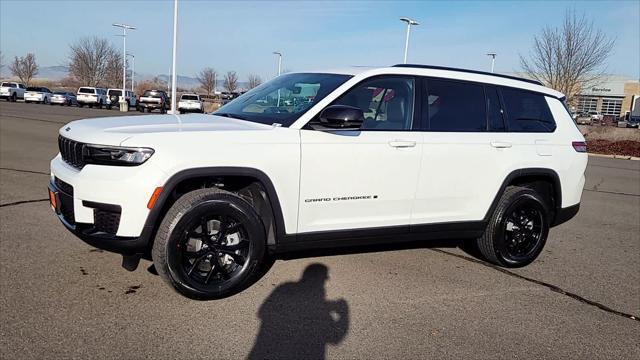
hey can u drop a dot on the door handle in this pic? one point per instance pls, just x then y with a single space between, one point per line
501 144
402 143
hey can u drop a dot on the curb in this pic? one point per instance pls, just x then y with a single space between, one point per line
622 157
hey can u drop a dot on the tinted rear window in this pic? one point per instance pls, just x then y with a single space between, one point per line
455 106
527 111
115 92
33 88
189 97
11 85
87 91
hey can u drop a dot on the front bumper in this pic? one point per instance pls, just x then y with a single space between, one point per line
105 206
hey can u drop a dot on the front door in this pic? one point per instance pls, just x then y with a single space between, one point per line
366 178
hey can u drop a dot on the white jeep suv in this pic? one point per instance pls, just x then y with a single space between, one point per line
324 159
92 96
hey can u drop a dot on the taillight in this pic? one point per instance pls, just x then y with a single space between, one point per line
579 146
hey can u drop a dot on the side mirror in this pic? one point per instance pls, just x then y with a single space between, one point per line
342 117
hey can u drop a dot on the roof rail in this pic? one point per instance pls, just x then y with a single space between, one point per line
434 67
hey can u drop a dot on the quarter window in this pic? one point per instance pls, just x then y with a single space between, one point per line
387 102
527 111
455 106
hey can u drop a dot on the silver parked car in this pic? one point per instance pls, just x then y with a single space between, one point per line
64 98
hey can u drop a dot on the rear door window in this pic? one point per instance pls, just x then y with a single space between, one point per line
455 106
527 111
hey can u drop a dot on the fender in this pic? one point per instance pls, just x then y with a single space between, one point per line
548 173
153 219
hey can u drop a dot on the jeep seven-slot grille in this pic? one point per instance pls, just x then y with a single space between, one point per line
71 152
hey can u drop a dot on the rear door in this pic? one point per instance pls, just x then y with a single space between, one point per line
363 179
466 151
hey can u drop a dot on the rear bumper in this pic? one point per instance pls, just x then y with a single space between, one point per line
150 105
566 214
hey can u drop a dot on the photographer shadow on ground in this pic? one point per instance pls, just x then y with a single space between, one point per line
298 321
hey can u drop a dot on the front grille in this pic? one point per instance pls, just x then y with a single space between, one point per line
71 151
106 221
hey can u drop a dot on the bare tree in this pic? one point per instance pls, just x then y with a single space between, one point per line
1 61
569 58
254 80
92 59
113 73
25 68
207 79
231 81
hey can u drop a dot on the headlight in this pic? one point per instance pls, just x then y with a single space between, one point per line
115 155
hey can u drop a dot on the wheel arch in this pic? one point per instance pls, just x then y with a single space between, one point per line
206 177
531 176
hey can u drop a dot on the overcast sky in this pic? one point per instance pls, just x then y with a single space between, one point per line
242 35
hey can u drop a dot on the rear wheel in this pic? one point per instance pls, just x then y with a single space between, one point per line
14 97
210 244
518 228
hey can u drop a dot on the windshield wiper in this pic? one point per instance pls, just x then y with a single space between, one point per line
232 116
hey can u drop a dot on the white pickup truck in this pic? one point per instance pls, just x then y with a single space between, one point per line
12 91
190 103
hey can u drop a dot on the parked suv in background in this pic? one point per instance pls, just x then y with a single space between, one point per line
91 96
190 103
11 91
391 154
113 98
38 94
152 100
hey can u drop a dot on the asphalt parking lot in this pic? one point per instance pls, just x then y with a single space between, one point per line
60 298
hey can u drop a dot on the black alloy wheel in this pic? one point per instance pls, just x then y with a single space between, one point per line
518 228
213 250
523 229
210 244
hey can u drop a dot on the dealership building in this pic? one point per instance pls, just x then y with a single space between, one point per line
611 96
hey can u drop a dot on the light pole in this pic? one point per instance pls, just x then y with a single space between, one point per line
279 61
173 63
493 59
133 70
279 70
124 63
406 43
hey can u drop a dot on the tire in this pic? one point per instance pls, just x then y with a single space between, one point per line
192 273
14 97
45 100
99 105
518 228
91 106
80 105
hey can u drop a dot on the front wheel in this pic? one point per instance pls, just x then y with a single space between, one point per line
518 228
210 244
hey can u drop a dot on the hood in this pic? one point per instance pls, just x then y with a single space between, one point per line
115 130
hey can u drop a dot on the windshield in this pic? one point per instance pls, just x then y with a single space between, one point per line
115 92
189 97
283 99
